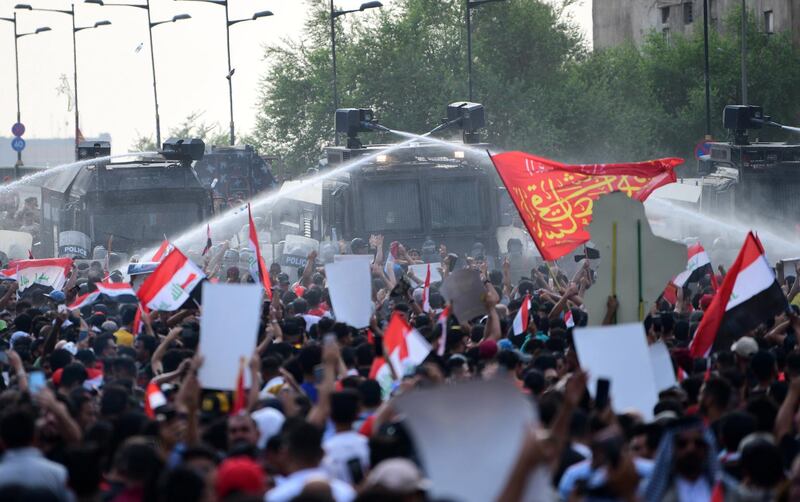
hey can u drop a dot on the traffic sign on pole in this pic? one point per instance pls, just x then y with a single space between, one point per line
18 144
18 129
702 148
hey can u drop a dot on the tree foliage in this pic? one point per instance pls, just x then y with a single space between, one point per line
544 90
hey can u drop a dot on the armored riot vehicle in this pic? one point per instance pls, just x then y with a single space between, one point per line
419 192
751 180
136 200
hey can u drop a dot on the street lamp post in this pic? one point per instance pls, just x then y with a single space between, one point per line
150 26
229 76
75 30
706 75
334 14
744 52
472 5
17 36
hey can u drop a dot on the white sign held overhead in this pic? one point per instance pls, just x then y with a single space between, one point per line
634 264
620 354
226 338
350 287
421 270
663 372
440 419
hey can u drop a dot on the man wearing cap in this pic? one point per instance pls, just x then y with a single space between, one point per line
397 477
57 297
359 246
241 476
284 282
743 349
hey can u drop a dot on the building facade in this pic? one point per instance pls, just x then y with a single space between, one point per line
619 21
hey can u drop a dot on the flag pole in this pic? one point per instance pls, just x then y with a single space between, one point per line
614 258
614 264
639 263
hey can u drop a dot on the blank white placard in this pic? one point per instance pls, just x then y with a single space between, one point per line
620 354
228 332
350 288
663 372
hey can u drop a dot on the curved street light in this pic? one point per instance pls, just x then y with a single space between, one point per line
150 25
75 30
17 36
334 14
472 4
229 76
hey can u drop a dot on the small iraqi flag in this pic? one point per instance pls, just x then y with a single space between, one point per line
170 283
208 240
258 268
442 322
153 399
697 266
749 295
521 319
426 291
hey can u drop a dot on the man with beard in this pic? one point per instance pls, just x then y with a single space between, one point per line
686 466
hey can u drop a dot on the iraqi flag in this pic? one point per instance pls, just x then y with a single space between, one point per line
442 322
258 269
8 274
388 267
163 250
208 239
404 349
119 292
523 314
46 275
84 300
137 321
426 291
749 295
569 319
698 265
153 399
170 284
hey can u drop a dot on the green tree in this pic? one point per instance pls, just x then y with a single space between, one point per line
544 91
407 63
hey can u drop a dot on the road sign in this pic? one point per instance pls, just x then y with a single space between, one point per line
702 148
18 129
18 144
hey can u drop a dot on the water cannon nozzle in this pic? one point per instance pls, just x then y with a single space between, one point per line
93 149
352 121
470 117
185 150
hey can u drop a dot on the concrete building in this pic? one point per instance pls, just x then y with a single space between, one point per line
618 21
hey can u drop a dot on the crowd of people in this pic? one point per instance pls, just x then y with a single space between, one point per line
79 420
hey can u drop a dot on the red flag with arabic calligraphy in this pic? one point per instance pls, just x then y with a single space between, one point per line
555 200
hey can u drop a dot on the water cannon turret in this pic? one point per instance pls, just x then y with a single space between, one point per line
184 150
352 121
470 117
93 149
740 118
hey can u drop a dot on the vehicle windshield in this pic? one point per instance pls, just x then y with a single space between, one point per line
143 224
